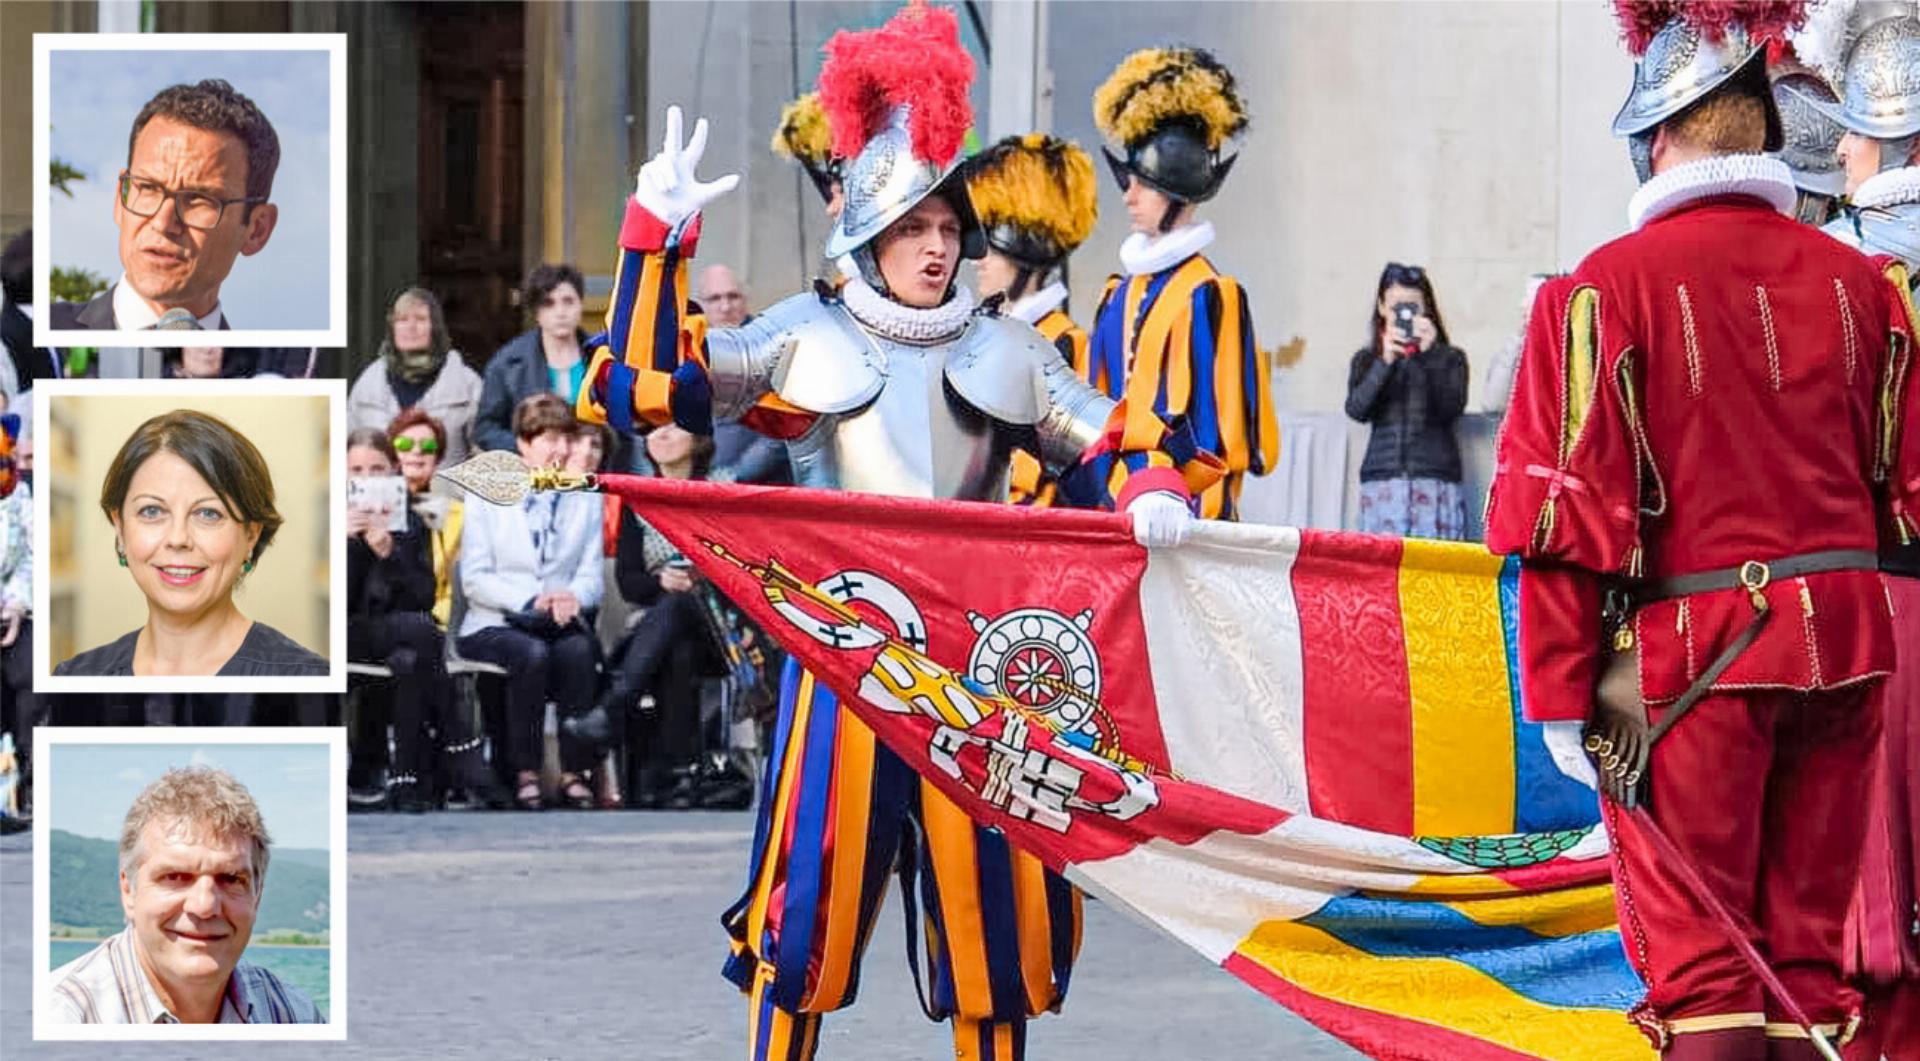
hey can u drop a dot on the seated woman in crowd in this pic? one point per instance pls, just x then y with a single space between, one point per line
670 648
1411 386
531 574
420 441
418 370
389 621
192 507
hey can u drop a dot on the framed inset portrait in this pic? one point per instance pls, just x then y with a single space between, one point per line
192 190
198 544
190 883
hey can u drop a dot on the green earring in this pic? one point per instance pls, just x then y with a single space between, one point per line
246 567
123 557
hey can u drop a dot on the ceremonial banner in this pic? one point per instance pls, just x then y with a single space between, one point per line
1300 753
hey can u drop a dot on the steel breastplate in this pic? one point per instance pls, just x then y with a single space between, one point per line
892 416
915 438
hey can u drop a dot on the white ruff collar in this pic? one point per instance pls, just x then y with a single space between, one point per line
1892 188
895 321
1757 175
1032 307
1144 255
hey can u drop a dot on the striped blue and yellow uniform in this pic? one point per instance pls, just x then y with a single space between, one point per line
1179 344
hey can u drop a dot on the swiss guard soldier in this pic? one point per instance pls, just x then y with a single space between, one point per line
1710 432
845 375
1036 200
1172 333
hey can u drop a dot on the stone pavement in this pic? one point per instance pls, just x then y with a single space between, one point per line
596 937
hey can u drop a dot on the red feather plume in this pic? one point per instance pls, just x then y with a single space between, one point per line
915 59
1765 20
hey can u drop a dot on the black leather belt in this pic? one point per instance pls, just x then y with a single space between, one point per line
1754 575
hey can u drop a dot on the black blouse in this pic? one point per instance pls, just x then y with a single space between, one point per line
266 653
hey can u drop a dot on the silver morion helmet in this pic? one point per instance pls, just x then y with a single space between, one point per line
1680 67
1881 92
885 181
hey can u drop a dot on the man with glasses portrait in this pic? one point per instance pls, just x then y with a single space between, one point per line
193 197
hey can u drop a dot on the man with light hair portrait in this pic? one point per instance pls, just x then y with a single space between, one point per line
193 866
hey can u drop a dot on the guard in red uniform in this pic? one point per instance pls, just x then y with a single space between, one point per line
1712 428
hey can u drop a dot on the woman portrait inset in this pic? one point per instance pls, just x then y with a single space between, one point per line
192 508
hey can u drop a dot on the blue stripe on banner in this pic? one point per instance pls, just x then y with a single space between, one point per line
1586 971
1000 922
1544 798
800 911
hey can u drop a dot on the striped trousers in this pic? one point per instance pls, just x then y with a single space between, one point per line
840 818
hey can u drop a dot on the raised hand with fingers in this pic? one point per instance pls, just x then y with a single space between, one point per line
667 187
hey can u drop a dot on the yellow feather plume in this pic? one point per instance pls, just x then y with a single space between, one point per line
802 135
1156 85
1039 183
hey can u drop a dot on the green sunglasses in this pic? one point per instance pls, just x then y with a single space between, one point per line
428 446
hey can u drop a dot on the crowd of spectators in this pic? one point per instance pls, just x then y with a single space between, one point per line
475 624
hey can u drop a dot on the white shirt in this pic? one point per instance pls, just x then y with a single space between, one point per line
131 312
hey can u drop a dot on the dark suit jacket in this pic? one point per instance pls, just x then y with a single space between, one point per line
95 315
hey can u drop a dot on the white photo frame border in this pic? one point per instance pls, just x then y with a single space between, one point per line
188 393
335 740
335 45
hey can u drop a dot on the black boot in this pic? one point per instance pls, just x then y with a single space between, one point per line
406 794
683 791
646 787
594 726
725 786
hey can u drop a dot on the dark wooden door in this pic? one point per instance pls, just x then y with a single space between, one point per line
472 139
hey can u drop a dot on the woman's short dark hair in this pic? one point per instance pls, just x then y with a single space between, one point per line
540 413
1396 274
413 417
374 439
222 456
547 276
215 106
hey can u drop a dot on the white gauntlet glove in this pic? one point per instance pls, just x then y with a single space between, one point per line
667 188
1161 520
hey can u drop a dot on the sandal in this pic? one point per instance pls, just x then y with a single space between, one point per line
575 793
527 796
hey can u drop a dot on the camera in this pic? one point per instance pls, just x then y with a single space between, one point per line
1403 315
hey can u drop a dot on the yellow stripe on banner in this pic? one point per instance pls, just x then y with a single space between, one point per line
1440 992
1560 913
1463 782
1449 886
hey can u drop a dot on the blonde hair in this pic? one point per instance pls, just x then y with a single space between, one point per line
202 801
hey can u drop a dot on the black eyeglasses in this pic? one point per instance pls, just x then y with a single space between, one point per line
1404 274
143 197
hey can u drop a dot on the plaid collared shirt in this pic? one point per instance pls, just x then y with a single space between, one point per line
107 986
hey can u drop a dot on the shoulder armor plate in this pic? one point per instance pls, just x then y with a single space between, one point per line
998 365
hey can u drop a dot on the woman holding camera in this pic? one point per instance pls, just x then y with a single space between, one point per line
1410 385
